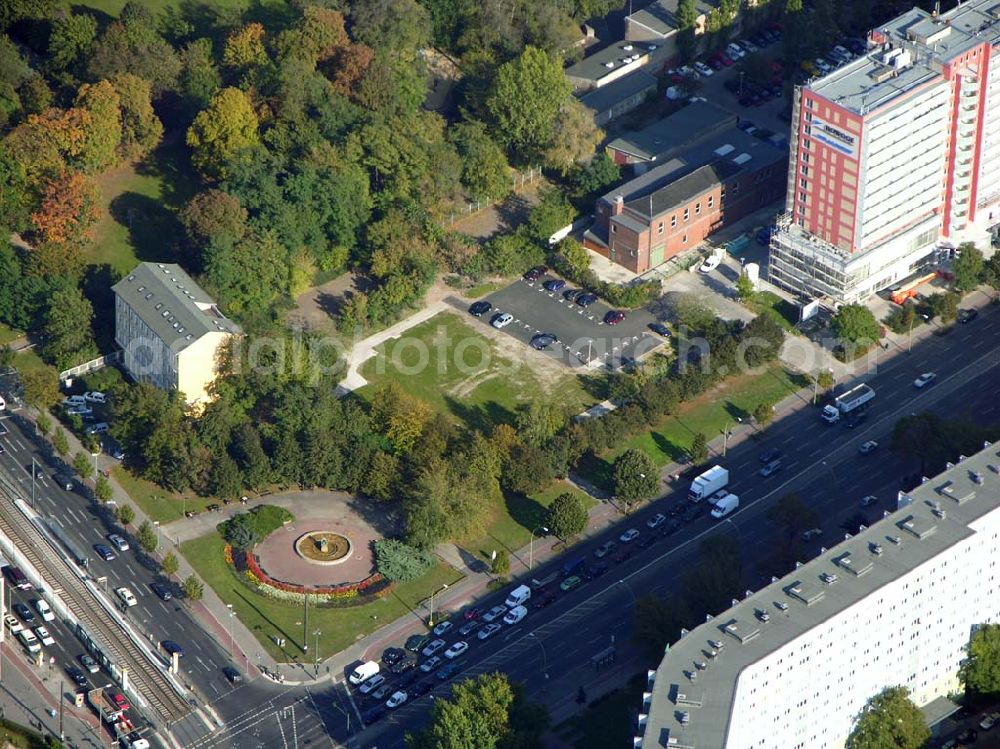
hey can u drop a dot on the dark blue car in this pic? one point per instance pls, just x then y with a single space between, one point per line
554 284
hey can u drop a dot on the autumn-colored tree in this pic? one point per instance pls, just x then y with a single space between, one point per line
68 210
347 67
104 129
141 128
214 216
219 132
44 142
244 49
576 137
316 37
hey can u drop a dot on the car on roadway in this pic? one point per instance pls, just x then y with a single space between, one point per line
456 649
126 596
967 315
393 655
535 273
660 328
43 634
432 647
570 582
703 69
656 521
924 380
629 536
515 615
431 663
711 263
415 643
233 676
162 591
472 613
44 610
13 625
76 675
449 670
542 341
613 317
604 549
478 309
381 693
770 469
989 721
401 667
868 500
586 299
545 599
397 699
26 614
443 627
469 627
372 683
554 284
502 320
172 647
868 447
810 534
769 455
494 613
64 480
89 663
488 631
120 543
596 571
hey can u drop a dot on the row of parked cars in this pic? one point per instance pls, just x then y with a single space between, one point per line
733 52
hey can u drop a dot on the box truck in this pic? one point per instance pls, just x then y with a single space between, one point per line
708 483
854 399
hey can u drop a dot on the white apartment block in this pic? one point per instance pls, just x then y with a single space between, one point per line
170 331
892 155
790 666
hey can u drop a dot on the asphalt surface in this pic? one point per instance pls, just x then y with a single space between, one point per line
551 650
583 335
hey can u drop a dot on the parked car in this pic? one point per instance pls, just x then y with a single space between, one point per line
535 273
502 320
545 599
372 683
604 549
13 625
393 655
656 521
94 396
989 721
494 613
430 664
402 666
596 571
415 643
711 263
443 627
76 676
432 647
397 699
967 315
924 380
26 614
570 295
660 328
868 447
44 610
735 51
586 299
44 635
448 671
703 69
613 317
89 664
570 582
478 309
543 340
468 628
555 284
488 631
456 649
628 536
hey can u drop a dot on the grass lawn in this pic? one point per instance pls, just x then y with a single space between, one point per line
513 523
709 414
114 7
8 334
28 359
340 627
780 310
157 503
607 722
482 290
449 365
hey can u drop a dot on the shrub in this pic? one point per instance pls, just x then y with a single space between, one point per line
401 562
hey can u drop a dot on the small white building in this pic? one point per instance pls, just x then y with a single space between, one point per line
170 331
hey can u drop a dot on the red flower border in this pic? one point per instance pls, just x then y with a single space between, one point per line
336 590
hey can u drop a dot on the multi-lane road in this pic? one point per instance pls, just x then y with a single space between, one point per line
551 650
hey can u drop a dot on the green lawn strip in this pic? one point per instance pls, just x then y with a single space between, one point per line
778 309
339 627
114 7
158 503
481 290
707 414
513 523
446 363
28 359
607 722
8 334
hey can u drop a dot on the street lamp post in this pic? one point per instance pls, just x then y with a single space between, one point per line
545 658
34 472
232 644
430 619
726 434
531 544
317 633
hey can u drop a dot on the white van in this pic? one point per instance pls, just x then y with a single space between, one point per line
515 615
98 428
29 640
363 672
518 596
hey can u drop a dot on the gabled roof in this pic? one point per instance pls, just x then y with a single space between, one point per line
169 301
661 16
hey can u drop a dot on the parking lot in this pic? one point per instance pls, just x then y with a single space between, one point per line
583 336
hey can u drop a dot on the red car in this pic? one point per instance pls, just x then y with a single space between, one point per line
535 273
471 614
725 59
614 317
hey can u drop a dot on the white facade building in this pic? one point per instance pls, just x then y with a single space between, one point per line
170 331
790 666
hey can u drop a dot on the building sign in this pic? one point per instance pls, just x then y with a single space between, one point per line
834 137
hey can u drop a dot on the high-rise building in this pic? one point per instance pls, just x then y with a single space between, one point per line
791 665
892 155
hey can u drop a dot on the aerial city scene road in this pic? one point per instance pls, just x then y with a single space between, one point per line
494 374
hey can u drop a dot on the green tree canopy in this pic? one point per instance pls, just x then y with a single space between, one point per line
477 716
567 515
889 720
636 477
146 536
70 339
856 323
980 671
227 126
485 173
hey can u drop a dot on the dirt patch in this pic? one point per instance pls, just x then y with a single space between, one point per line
315 309
500 217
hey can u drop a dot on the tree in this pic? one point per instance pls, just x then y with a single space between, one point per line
889 720
103 490
552 212
600 173
699 449
524 104
944 306
82 465
567 516
991 271
485 173
60 442
744 288
193 588
968 267
980 671
241 531
170 564
70 40
687 18
68 329
199 76
214 216
35 95
41 387
65 217
500 565
855 323
402 26
574 139
43 423
824 379
763 414
636 478
227 126
793 515
141 128
574 257
244 49
104 126
658 622
401 562
248 276
126 514
477 715
147 537
134 46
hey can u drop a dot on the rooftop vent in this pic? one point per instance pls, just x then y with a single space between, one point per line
918 526
627 48
688 697
717 644
782 606
188 337
742 159
896 540
724 149
808 593
828 577
609 64
875 549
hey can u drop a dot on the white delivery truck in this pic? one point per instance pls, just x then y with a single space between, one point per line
725 506
708 483
855 399
363 672
518 596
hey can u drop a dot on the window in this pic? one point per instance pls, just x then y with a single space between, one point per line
684 239
805 171
803 183
659 229
613 228
711 201
802 197
673 221
697 208
687 214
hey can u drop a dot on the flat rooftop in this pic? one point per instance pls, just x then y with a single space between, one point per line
930 519
683 128
608 61
604 98
870 82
